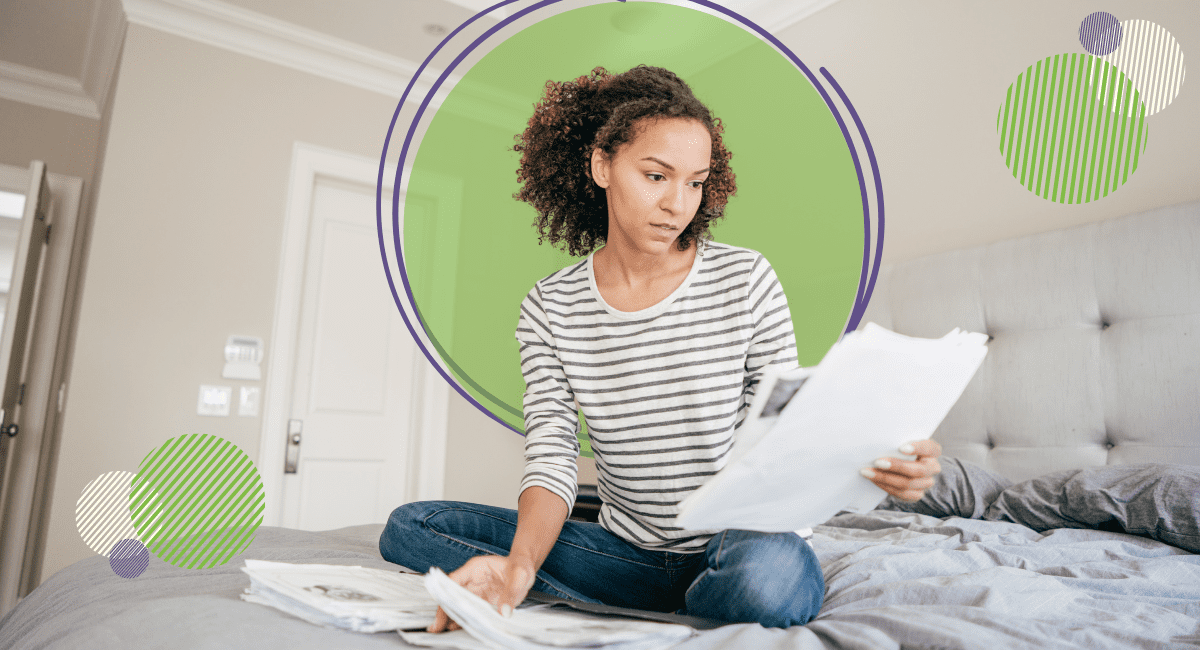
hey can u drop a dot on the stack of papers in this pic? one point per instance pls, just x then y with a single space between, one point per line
371 600
795 461
538 627
342 597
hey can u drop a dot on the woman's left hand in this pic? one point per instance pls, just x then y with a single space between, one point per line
907 480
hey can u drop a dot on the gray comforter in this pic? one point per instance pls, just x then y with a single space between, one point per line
894 579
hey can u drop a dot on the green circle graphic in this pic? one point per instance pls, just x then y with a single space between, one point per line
1072 128
196 501
471 251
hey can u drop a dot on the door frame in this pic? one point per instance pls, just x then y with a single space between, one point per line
34 451
426 457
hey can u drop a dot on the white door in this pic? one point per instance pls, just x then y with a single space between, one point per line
356 375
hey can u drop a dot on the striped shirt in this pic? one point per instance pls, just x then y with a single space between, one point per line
662 389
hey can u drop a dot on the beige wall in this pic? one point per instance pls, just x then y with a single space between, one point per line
485 461
185 247
927 78
66 142
70 145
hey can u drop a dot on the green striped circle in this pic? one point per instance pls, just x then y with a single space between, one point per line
196 501
1072 128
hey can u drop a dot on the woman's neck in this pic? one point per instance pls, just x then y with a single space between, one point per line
629 267
633 282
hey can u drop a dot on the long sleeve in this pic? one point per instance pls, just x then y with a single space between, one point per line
551 421
773 343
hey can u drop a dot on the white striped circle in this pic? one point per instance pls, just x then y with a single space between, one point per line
102 512
1152 59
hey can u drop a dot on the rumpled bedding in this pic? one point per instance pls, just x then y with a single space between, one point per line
894 579
1156 500
906 580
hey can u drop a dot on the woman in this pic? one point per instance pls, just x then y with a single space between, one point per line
659 338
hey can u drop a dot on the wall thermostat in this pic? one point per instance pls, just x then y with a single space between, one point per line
243 354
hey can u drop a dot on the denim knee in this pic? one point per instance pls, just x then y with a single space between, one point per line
772 578
403 525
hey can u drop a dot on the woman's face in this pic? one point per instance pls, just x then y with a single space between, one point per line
654 182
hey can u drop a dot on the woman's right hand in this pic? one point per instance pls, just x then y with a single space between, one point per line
504 581
501 581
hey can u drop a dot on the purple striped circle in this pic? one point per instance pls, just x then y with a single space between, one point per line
129 558
1100 33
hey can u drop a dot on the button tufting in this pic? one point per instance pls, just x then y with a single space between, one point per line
991 338
1105 325
1108 445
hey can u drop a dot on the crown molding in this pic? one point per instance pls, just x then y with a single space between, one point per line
46 89
105 38
785 13
229 27
262 37
232 28
84 97
269 39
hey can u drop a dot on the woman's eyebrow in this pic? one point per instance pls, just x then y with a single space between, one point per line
672 168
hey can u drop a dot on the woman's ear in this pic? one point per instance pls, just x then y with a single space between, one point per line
600 167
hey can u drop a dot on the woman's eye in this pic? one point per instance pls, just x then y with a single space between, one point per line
697 184
654 177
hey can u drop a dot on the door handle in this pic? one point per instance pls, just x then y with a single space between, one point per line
292 456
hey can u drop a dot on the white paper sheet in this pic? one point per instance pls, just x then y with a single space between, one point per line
874 391
342 597
538 627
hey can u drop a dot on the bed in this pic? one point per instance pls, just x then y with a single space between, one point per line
1066 517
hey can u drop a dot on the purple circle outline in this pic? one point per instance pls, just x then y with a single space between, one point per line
865 288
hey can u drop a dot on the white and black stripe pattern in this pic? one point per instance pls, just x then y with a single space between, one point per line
662 389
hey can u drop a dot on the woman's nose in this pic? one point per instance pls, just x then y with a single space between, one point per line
674 198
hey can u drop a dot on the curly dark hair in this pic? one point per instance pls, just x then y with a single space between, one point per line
601 111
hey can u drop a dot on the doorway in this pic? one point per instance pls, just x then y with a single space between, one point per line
45 267
355 417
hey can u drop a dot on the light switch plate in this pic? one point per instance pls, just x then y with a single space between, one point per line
214 400
248 404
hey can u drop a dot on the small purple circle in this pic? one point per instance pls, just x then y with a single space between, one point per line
1100 33
129 558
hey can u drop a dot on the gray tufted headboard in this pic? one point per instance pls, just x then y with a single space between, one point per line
1094 355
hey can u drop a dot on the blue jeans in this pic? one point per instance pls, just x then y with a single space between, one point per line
741 576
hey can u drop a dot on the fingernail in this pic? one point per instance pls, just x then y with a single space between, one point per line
883 464
506 610
868 473
429 629
906 448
